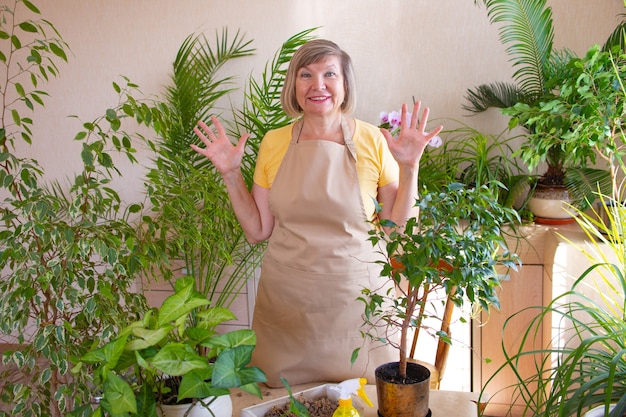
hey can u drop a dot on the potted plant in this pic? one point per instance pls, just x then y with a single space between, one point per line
453 246
527 30
70 250
476 158
583 372
173 354
579 119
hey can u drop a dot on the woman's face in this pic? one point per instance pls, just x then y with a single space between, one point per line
320 87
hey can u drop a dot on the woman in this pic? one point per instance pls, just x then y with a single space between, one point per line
312 197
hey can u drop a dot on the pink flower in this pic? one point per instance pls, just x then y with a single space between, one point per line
436 141
395 119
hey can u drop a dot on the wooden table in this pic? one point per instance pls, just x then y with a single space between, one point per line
441 403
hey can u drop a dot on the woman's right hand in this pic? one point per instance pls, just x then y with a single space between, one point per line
218 148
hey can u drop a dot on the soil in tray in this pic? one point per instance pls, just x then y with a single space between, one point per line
321 407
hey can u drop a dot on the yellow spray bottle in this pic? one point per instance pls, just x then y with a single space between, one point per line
345 391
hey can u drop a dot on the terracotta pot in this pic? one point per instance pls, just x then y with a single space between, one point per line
398 399
222 406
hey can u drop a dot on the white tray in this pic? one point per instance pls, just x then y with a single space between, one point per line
259 410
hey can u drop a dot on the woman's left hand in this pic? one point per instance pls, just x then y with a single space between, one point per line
408 147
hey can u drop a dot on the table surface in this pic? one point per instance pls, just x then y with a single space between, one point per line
441 403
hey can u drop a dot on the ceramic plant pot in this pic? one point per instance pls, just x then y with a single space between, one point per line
397 399
550 204
221 406
598 411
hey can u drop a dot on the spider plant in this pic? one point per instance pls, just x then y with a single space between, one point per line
476 158
586 366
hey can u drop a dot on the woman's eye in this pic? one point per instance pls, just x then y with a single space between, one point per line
305 75
331 74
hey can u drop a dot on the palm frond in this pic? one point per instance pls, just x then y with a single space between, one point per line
617 37
195 90
583 184
261 110
527 31
499 95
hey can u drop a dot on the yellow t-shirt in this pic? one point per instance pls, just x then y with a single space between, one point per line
375 164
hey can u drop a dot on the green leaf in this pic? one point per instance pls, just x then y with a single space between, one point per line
17 44
58 51
80 135
87 156
146 401
16 117
211 317
147 337
196 384
20 89
229 368
28 27
180 303
118 396
31 6
177 359
108 354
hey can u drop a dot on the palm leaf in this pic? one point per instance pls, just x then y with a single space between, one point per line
499 95
527 31
584 184
195 90
261 110
617 37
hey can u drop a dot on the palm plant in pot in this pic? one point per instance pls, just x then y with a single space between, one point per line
580 120
526 29
174 355
583 371
453 246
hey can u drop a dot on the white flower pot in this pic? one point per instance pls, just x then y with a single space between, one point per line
598 411
550 203
222 406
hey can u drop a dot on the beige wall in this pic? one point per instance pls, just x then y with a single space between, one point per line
430 49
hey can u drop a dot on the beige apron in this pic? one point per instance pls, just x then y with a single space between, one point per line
318 259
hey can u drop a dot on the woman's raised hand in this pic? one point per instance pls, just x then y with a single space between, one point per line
218 148
408 147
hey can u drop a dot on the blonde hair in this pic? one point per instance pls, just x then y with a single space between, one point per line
309 53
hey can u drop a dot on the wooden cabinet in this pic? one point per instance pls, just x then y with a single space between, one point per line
520 290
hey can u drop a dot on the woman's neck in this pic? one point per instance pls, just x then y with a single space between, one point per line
327 128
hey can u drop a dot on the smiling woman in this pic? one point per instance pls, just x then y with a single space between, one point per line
316 217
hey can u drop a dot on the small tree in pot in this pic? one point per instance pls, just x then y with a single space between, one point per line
455 245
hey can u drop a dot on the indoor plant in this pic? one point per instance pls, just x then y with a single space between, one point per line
191 216
70 250
476 158
585 367
526 29
175 345
454 245
581 119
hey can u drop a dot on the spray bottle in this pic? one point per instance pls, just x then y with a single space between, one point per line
345 390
